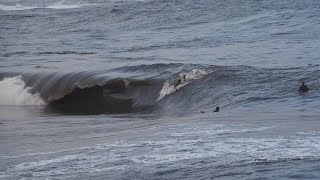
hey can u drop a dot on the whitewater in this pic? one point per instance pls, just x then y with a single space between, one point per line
89 89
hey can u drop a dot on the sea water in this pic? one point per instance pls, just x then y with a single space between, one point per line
87 89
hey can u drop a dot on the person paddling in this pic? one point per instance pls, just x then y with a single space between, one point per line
303 88
217 109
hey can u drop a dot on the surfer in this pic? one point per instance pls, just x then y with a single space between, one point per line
217 109
303 88
183 78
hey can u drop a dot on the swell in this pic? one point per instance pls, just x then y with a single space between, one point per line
152 88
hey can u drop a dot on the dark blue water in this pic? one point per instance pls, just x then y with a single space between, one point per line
88 89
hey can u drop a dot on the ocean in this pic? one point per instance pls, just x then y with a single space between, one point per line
89 89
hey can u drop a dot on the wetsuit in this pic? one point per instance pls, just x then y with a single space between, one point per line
179 82
217 109
303 88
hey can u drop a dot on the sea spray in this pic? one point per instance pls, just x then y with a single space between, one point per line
13 91
169 88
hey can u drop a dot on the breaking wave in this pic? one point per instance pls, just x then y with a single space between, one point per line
154 88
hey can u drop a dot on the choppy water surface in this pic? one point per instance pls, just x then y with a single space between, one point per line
87 89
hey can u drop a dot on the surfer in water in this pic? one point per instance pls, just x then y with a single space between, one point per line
180 80
303 88
217 109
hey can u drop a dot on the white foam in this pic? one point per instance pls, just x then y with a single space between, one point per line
17 7
169 88
13 91
59 5
64 5
122 155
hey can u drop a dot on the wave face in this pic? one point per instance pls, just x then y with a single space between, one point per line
136 90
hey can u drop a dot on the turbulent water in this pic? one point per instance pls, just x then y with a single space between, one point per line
88 89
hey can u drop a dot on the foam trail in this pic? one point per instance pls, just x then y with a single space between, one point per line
17 7
60 5
64 5
169 88
13 91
